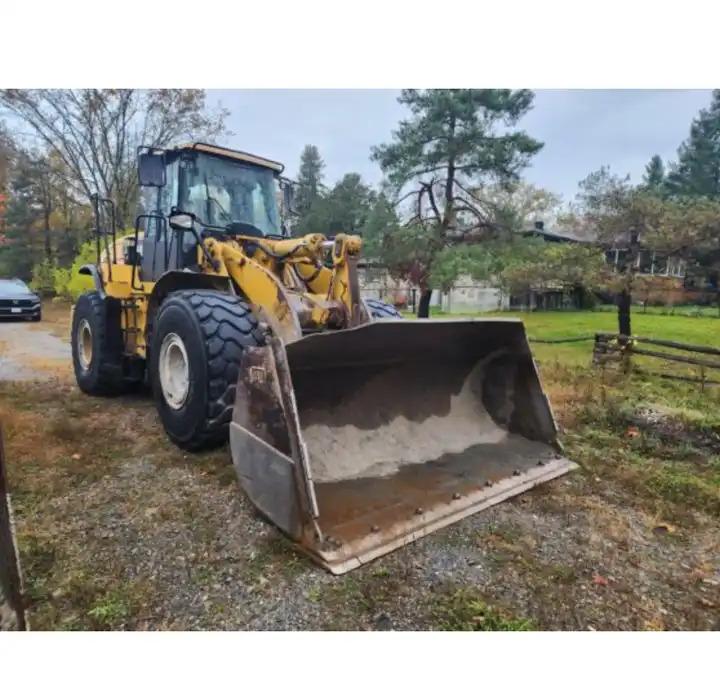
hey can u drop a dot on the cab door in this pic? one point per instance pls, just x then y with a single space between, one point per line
160 241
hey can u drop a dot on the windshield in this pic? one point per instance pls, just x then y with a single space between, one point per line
220 192
13 286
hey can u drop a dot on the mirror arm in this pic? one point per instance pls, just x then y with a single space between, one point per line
174 211
215 264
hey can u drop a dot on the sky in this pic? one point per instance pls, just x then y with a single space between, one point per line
581 129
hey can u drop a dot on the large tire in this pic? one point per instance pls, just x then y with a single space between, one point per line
197 345
96 341
380 310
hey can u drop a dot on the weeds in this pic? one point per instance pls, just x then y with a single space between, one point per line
110 610
464 610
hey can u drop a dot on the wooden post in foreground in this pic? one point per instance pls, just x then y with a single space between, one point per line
12 610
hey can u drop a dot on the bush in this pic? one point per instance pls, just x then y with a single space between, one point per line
43 281
69 283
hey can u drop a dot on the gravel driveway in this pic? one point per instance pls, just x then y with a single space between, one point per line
28 351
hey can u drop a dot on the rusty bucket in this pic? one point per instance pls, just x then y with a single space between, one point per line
359 441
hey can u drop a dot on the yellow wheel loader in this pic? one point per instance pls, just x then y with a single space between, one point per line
353 430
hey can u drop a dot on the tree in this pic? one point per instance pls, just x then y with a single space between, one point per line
697 171
517 205
618 215
96 132
42 224
309 178
19 250
453 142
630 217
379 228
344 209
519 265
654 177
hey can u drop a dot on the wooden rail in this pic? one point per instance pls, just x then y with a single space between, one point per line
612 347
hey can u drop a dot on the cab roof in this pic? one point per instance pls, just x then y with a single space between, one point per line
233 154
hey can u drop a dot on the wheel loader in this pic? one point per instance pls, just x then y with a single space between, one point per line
353 430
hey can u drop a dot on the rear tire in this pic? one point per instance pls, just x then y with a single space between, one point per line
96 341
380 310
197 345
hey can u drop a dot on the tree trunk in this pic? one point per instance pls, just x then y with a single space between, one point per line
48 241
424 304
623 305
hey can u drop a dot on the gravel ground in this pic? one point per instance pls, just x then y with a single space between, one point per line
118 529
28 351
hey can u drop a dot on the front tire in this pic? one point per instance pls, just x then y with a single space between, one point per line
197 346
97 345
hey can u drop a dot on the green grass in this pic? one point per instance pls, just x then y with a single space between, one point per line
679 310
566 324
110 610
464 610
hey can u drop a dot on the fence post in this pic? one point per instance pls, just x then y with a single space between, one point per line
12 610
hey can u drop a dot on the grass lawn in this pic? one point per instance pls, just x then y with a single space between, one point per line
566 324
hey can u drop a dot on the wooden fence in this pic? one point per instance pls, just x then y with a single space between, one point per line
614 348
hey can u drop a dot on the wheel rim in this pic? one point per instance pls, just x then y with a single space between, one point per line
174 371
84 344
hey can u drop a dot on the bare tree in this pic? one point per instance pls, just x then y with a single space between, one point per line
96 132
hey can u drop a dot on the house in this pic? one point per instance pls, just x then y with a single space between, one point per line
467 294
665 280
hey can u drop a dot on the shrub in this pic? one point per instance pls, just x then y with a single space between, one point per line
42 277
69 283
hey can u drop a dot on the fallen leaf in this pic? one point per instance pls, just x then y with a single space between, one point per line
663 528
599 579
632 432
76 456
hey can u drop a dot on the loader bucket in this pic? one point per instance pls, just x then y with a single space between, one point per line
359 441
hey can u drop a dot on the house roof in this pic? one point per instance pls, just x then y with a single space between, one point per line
550 236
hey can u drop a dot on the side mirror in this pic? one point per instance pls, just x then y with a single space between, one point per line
181 222
288 191
151 170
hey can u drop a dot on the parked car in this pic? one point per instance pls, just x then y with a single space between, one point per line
17 300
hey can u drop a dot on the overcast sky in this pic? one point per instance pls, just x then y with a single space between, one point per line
581 129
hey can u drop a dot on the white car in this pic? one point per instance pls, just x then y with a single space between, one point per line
17 300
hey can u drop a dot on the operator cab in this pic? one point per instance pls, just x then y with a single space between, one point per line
227 191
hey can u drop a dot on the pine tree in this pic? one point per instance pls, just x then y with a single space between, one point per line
654 177
344 209
697 172
310 178
454 141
